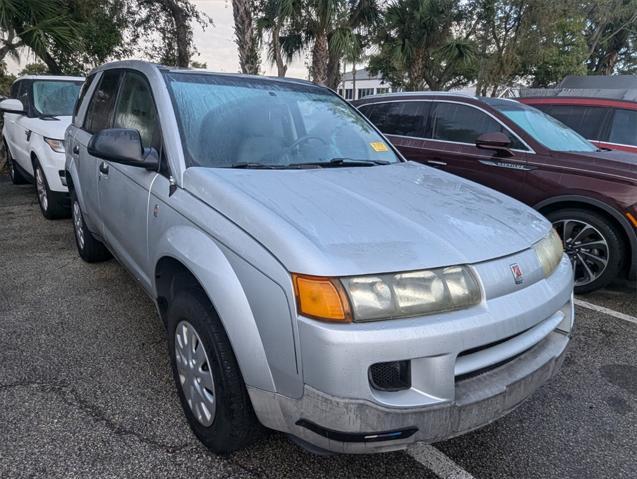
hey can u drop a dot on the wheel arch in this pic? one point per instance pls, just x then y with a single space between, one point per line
624 227
189 258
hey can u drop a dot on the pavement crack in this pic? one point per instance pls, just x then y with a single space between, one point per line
70 397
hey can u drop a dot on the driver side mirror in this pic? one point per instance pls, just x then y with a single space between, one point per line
497 141
124 146
11 105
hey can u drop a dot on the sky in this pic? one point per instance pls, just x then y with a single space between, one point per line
215 44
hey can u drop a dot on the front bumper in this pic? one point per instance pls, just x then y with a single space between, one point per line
467 367
478 401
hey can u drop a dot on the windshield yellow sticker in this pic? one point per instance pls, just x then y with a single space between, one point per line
378 146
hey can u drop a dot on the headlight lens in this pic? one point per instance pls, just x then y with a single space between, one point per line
386 296
56 145
549 252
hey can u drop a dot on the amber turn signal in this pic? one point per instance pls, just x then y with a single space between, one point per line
321 298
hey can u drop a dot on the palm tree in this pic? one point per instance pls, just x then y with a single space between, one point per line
36 24
281 20
246 34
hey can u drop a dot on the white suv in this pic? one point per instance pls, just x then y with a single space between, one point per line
35 118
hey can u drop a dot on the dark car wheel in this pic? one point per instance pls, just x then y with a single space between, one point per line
51 202
210 386
90 249
593 245
14 174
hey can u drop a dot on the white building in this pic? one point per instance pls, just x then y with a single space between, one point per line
365 85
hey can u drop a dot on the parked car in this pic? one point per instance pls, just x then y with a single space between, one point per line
311 280
35 118
605 122
590 195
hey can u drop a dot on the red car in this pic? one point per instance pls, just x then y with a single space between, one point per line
605 122
590 195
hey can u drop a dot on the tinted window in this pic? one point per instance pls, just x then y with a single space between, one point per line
14 89
23 93
586 120
226 121
405 118
83 89
100 110
136 109
624 127
464 124
55 98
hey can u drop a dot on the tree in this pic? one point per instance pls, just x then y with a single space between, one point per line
246 36
280 20
38 24
34 69
611 35
165 27
418 46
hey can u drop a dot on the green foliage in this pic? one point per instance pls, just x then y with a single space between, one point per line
6 80
34 69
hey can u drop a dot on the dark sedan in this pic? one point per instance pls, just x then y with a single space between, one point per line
590 195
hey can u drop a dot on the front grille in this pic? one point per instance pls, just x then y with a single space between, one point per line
390 376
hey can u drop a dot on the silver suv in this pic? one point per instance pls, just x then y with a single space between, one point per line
310 279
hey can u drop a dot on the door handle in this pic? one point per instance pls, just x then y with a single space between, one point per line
104 168
76 150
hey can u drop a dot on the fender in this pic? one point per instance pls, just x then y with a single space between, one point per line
626 226
205 260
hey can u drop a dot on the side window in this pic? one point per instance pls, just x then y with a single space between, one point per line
588 121
136 109
99 113
23 93
406 118
623 129
15 88
464 124
85 87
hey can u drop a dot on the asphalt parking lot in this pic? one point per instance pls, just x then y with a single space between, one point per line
86 390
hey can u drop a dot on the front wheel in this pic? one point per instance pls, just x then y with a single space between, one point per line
210 386
593 245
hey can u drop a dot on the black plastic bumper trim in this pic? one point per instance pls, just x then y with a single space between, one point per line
358 436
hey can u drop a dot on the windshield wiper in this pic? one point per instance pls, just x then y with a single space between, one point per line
48 117
256 166
337 162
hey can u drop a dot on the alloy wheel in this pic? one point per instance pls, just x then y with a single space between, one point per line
78 224
195 374
40 186
586 247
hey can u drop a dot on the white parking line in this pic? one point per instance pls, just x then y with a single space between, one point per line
437 462
602 309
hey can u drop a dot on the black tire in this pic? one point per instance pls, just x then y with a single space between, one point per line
89 249
614 256
53 205
14 173
234 424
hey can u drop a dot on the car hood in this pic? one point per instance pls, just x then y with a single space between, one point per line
614 162
348 221
50 128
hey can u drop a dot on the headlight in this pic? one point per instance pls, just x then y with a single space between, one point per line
56 145
549 252
387 296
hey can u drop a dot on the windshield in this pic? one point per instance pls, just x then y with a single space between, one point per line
55 97
545 129
231 121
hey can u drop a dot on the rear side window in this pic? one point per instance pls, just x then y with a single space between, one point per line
99 113
464 124
407 118
85 87
588 121
623 128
